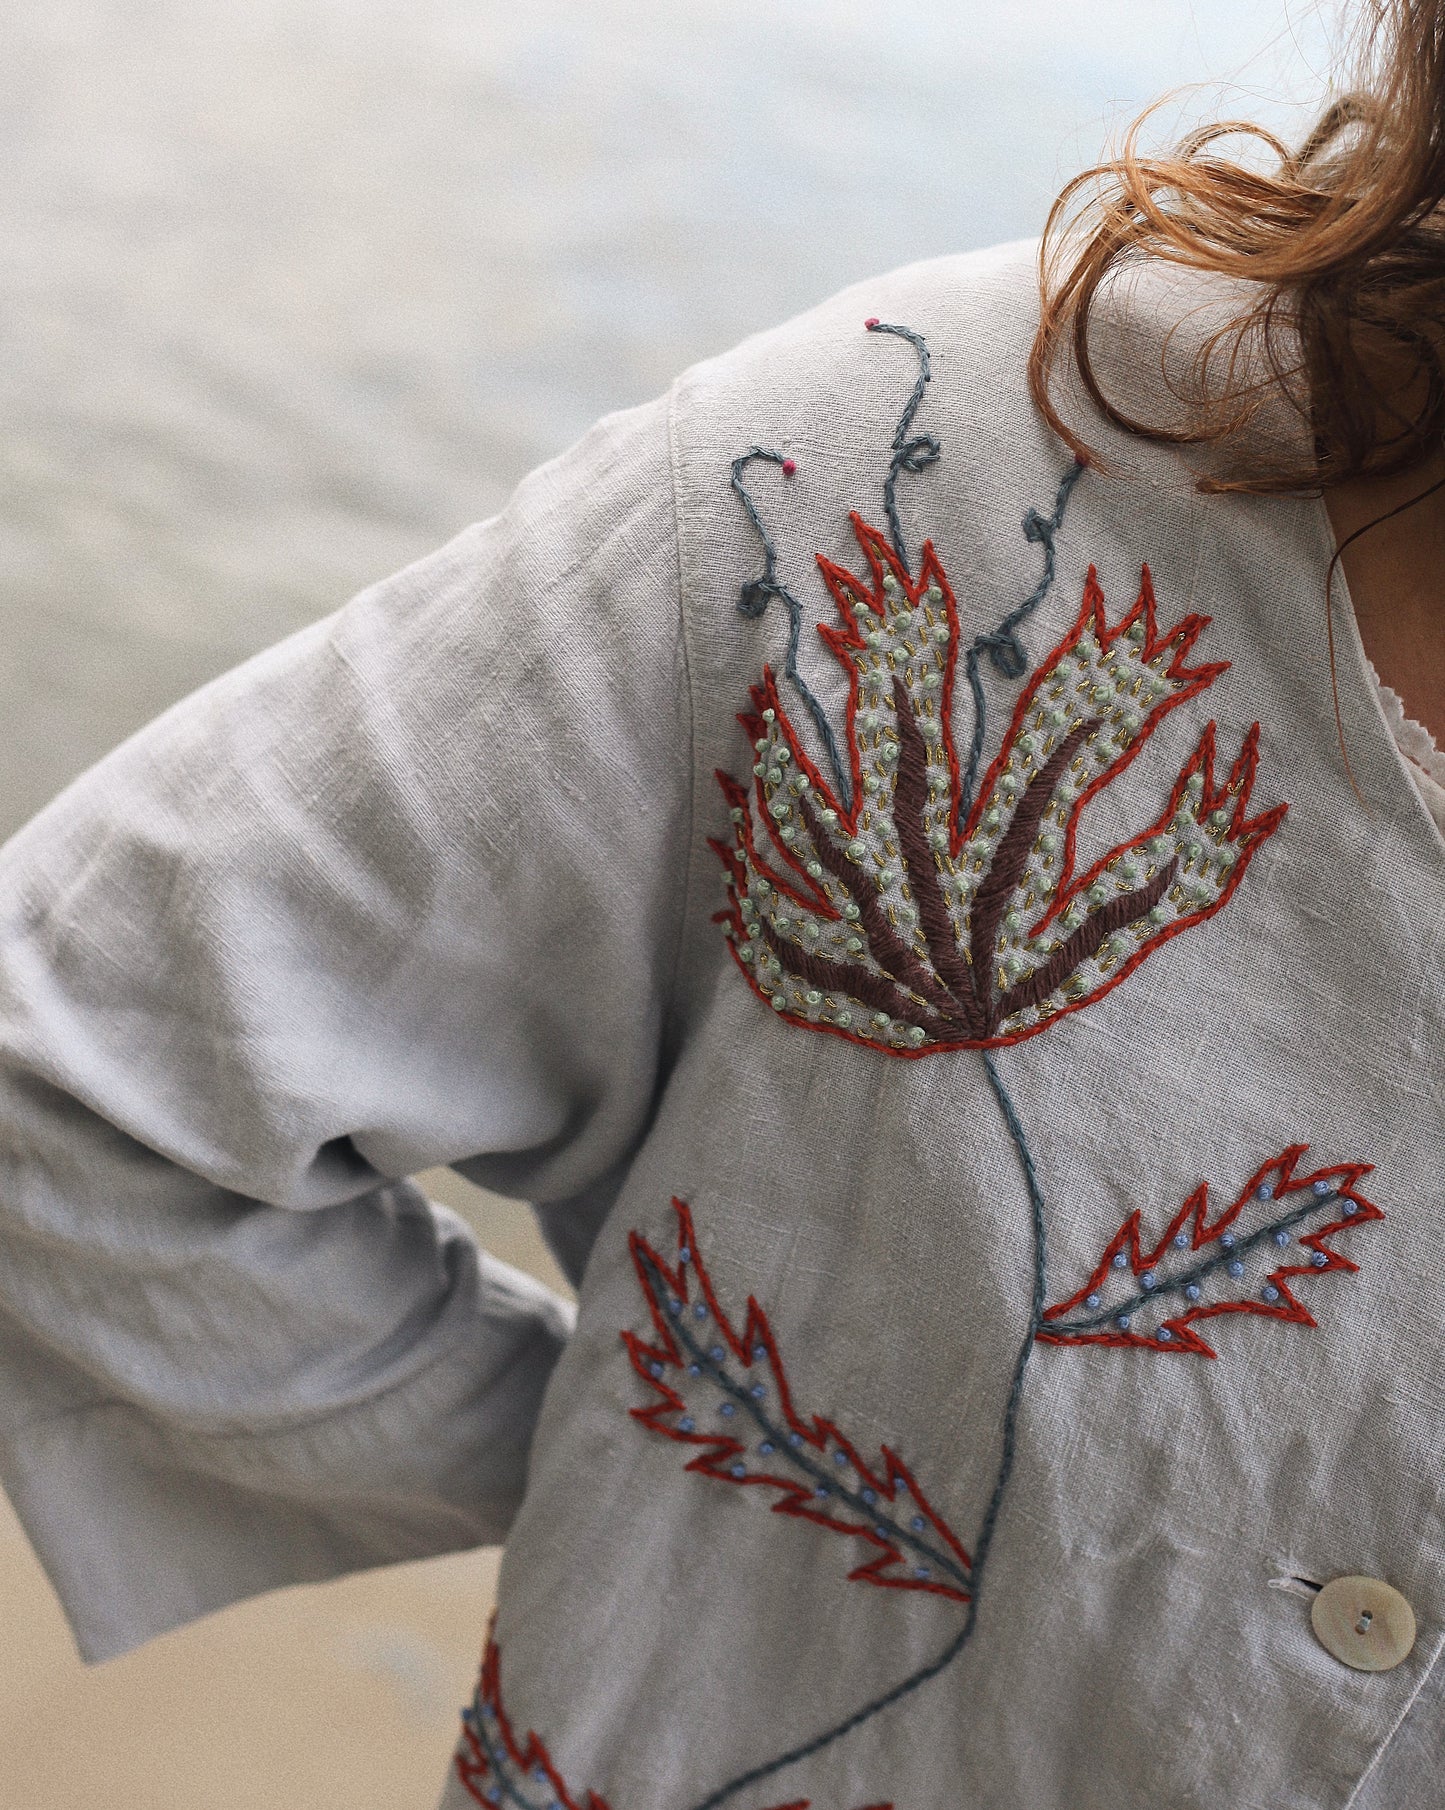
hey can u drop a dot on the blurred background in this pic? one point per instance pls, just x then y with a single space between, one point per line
290 291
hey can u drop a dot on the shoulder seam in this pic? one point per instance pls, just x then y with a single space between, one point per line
685 905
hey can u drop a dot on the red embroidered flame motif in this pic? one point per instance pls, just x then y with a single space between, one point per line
1155 1298
887 924
496 1767
725 1392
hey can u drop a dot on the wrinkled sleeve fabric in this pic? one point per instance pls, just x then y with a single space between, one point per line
405 890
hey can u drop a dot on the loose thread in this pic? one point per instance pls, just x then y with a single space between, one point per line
1007 1454
1002 645
912 455
753 600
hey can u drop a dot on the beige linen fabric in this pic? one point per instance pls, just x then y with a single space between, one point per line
275 955
433 884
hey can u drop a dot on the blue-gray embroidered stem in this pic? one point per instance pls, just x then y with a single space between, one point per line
791 1448
753 600
909 454
1002 645
1036 1314
505 1788
995 1502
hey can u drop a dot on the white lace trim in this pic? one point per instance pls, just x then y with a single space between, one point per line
1424 759
1413 739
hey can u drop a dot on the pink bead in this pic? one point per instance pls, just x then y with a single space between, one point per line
872 321
789 467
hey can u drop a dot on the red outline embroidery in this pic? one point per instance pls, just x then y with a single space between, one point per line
721 1455
845 590
1093 615
1193 1217
530 1757
903 976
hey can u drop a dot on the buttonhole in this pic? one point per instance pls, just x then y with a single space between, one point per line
1362 1626
1296 1585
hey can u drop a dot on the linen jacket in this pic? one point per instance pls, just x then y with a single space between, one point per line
894 903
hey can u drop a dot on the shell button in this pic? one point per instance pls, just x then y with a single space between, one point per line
1363 1623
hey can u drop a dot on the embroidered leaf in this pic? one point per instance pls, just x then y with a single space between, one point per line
496 1768
726 1393
1279 1227
882 922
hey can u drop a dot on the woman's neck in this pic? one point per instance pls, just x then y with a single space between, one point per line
1396 576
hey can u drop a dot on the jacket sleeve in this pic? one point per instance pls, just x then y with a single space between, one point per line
405 890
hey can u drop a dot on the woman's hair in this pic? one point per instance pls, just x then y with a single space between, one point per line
1341 248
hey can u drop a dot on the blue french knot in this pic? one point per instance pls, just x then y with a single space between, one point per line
911 453
940 1663
754 598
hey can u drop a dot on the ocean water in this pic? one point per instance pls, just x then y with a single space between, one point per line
290 290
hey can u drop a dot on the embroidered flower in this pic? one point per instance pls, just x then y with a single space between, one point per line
888 923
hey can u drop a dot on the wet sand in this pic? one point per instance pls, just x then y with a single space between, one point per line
344 1695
